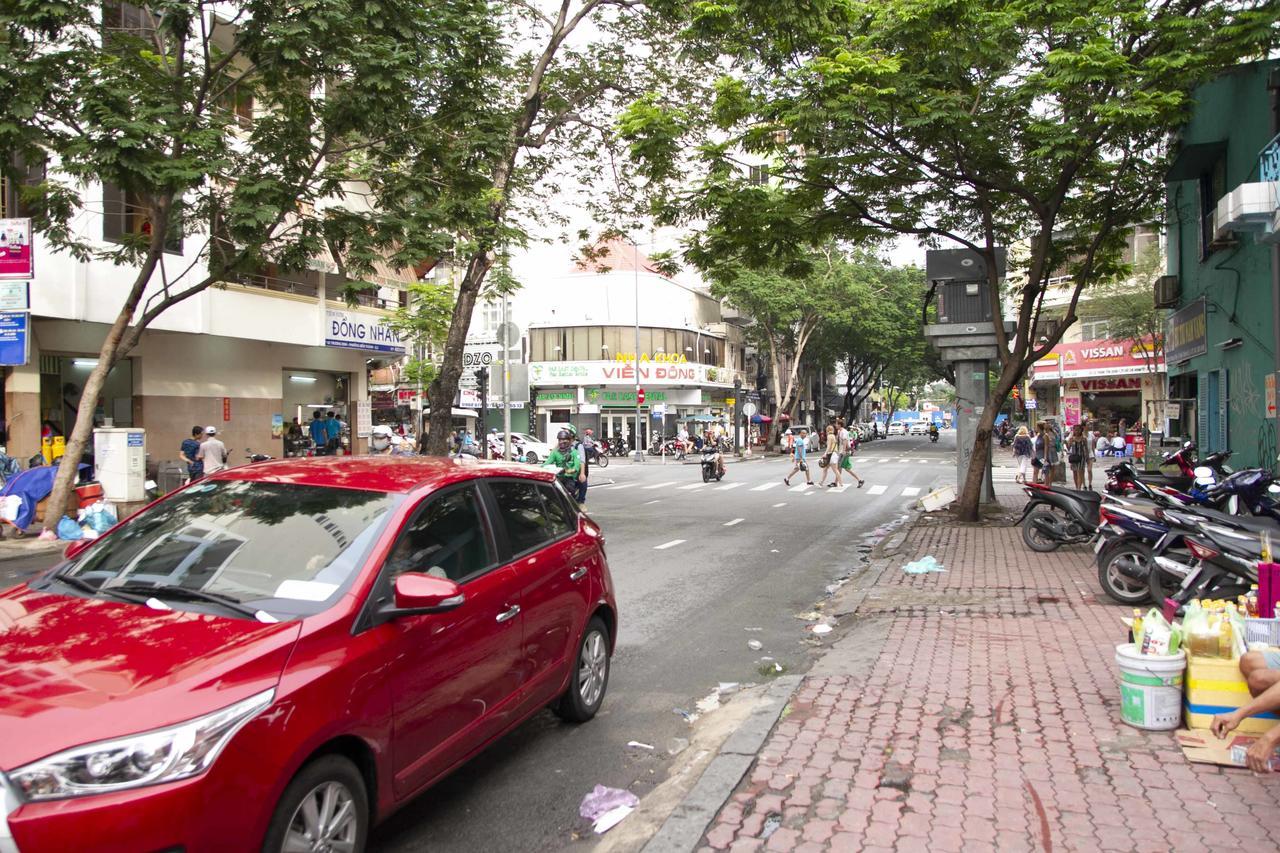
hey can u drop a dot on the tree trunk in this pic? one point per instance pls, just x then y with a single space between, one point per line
445 386
971 491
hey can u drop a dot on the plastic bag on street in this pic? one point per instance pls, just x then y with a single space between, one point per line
923 566
100 517
68 529
602 800
10 506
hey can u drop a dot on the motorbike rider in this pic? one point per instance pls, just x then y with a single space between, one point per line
589 448
568 462
710 443
933 430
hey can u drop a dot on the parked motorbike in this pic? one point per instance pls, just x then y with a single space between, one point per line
1124 476
1220 561
1056 516
710 469
255 457
618 446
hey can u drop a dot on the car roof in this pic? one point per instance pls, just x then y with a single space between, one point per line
391 474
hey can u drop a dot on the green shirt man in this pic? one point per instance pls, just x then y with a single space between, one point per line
568 461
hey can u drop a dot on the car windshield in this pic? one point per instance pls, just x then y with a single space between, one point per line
286 550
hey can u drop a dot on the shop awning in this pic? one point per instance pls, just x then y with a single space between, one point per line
458 413
1193 160
702 418
761 419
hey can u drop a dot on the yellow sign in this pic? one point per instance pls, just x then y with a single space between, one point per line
729 401
665 357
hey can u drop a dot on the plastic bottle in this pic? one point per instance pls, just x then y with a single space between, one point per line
1266 547
1137 628
1252 598
1226 642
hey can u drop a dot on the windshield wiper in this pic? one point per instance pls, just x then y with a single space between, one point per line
86 587
187 594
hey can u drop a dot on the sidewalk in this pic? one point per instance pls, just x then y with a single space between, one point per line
979 710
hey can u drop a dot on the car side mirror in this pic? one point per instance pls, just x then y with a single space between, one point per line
417 593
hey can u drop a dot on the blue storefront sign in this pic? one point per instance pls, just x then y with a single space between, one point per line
1269 161
349 330
13 338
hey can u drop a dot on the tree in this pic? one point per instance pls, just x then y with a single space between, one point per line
236 126
557 86
968 124
1132 316
789 308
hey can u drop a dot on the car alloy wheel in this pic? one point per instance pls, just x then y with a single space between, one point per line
593 668
326 821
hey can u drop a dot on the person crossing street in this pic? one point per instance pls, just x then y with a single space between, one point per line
798 453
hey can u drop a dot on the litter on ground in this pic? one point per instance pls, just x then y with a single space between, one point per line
606 807
923 566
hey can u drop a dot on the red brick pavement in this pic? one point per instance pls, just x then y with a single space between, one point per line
989 725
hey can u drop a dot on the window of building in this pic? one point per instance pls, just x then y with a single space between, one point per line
19 173
1211 187
127 19
125 213
237 99
758 176
1095 329
490 316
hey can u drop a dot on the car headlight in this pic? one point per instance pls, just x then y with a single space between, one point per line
163 755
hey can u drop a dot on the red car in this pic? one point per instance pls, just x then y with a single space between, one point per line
282 654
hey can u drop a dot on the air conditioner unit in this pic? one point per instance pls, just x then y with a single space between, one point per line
1167 291
1249 207
1222 218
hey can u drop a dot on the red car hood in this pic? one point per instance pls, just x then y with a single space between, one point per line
76 670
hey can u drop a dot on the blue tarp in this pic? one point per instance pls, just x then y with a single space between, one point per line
32 486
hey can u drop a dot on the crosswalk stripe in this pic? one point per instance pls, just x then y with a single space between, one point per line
924 461
910 491
877 490
735 521
765 486
802 487
784 503
840 488
665 545
692 486
660 485
619 487
729 486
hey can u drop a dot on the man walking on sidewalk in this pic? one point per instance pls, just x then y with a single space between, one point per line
801 443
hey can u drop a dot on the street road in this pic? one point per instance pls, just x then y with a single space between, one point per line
700 570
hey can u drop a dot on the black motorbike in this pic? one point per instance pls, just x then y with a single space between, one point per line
1220 559
1055 516
710 468
597 456
933 436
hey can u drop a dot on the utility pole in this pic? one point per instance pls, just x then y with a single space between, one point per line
482 385
506 380
635 265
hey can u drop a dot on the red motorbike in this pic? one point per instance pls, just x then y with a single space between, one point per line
1124 479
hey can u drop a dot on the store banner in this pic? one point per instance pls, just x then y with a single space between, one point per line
17 261
1093 358
14 337
1188 333
625 373
352 330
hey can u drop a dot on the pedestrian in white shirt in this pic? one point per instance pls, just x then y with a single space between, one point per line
212 452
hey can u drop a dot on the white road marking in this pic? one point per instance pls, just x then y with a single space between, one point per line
924 461
729 486
693 486
665 545
764 486
622 486
910 491
660 485
877 490
784 503
838 489
654 501
735 521
802 487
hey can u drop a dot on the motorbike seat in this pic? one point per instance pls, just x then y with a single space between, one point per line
1085 496
1256 523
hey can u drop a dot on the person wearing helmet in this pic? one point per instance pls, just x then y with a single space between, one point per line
568 462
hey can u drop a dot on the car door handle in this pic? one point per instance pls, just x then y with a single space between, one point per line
579 574
509 614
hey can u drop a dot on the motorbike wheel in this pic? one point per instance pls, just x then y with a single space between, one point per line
1118 586
531 458
706 475
1037 540
602 460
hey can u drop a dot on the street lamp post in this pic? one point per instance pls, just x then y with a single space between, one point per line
635 265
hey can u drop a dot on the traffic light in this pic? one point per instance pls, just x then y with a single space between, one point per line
482 382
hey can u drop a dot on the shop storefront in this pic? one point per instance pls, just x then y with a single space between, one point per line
1108 382
601 395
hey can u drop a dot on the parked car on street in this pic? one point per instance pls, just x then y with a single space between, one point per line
535 451
897 428
282 654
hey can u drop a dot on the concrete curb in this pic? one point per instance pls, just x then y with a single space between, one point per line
30 547
686 825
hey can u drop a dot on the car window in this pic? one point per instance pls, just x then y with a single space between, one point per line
562 520
282 548
445 538
522 514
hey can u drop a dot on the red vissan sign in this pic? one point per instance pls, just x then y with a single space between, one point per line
1094 358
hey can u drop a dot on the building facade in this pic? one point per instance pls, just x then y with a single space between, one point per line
584 362
1222 210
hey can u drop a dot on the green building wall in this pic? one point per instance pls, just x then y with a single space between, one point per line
1235 281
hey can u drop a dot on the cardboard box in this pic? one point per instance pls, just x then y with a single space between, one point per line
1202 747
1215 686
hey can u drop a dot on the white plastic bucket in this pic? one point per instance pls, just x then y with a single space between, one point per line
1150 688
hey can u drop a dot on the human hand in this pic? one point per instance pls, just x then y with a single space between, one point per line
1223 724
1259 756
